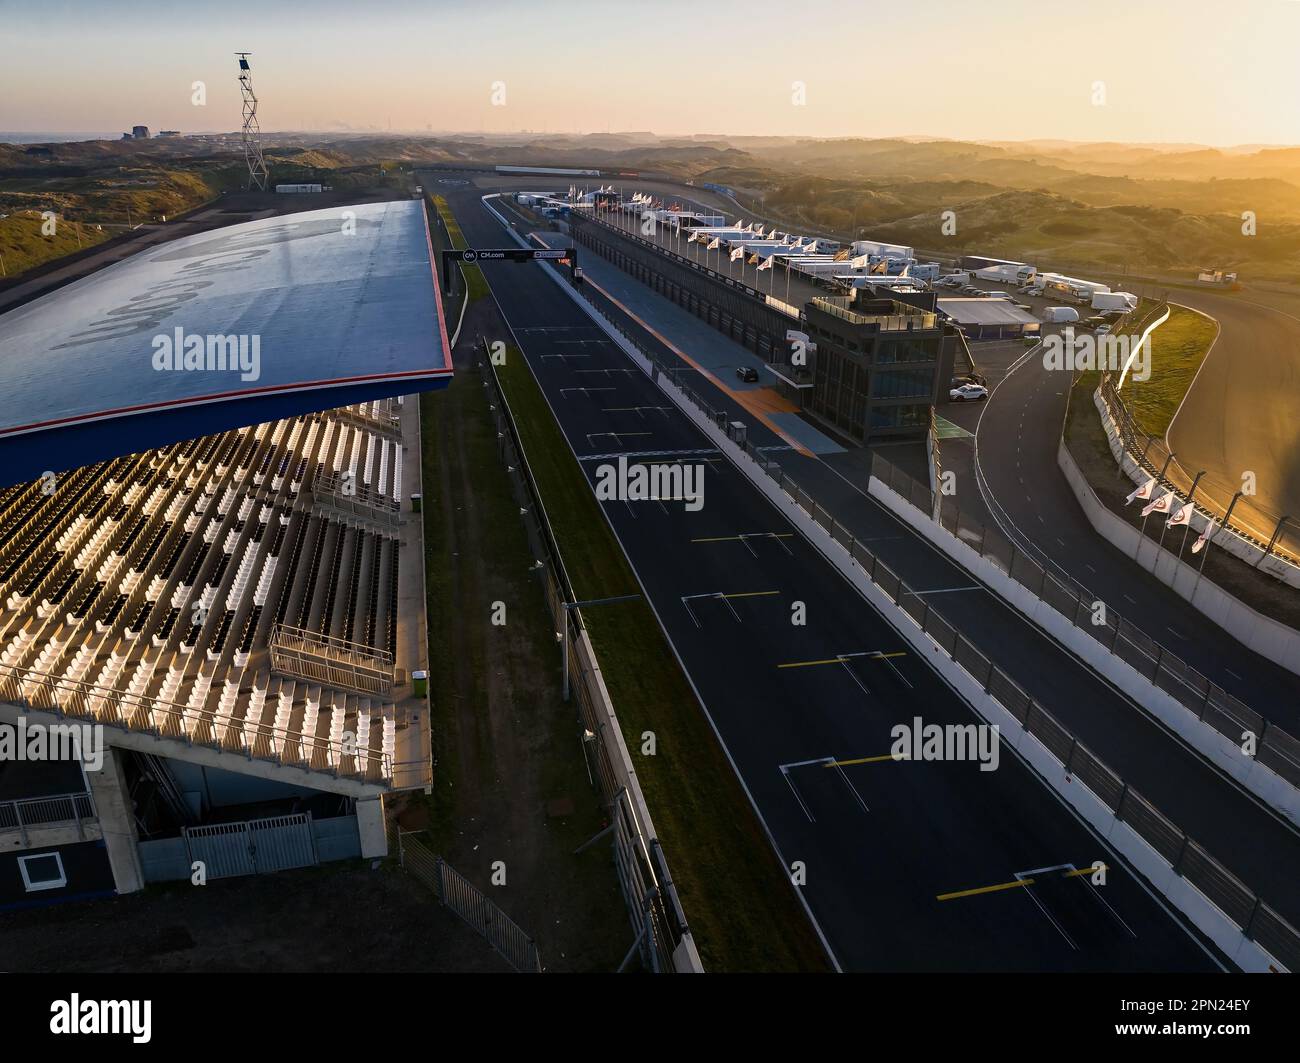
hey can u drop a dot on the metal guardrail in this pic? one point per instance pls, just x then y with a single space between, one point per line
336 662
655 912
456 892
42 812
1152 454
1206 700
1217 884
200 727
1257 920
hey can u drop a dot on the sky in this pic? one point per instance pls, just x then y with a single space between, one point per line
1175 71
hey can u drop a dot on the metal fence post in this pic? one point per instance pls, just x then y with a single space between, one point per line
1181 853
1250 920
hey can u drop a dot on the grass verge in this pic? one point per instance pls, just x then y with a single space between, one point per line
740 905
1178 347
1088 445
474 279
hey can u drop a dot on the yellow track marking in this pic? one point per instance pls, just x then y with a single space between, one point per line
839 660
862 760
986 889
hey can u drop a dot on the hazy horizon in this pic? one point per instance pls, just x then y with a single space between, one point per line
1010 71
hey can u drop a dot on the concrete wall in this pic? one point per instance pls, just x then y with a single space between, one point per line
86 867
1215 747
1224 538
1204 915
168 859
1267 637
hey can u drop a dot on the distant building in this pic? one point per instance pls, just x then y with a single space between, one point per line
989 319
140 132
169 132
879 365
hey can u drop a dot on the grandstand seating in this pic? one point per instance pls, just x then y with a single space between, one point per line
143 591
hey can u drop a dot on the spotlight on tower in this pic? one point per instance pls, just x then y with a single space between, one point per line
257 173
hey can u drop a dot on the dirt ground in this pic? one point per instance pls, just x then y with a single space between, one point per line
340 917
510 782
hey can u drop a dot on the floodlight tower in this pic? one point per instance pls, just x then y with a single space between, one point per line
257 175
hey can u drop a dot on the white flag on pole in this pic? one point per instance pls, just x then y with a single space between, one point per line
758 231
861 262
1210 529
1163 504
767 262
714 244
737 252
1182 516
1143 492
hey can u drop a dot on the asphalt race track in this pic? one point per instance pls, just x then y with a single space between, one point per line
1017 437
1179 781
1242 412
881 840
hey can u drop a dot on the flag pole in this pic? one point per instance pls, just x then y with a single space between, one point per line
1188 530
1210 539
1161 544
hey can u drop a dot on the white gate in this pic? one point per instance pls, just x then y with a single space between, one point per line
254 846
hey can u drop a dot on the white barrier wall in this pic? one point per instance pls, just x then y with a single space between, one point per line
1265 636
1153 867
1224 538
1215 747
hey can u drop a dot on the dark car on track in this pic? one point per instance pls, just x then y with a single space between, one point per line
747 373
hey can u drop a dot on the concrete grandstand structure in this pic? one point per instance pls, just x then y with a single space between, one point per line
238 612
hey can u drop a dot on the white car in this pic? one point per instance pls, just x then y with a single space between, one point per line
1035 291
968 393
1101 330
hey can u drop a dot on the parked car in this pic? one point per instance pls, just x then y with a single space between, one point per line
1034 292
967 378
968 393
1101 330
747 373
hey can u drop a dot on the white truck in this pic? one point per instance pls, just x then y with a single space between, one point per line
1114 301
1060 314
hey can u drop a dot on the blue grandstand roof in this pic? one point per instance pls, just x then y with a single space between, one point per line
249 323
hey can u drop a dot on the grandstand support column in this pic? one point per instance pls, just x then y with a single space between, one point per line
371 827
117 822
